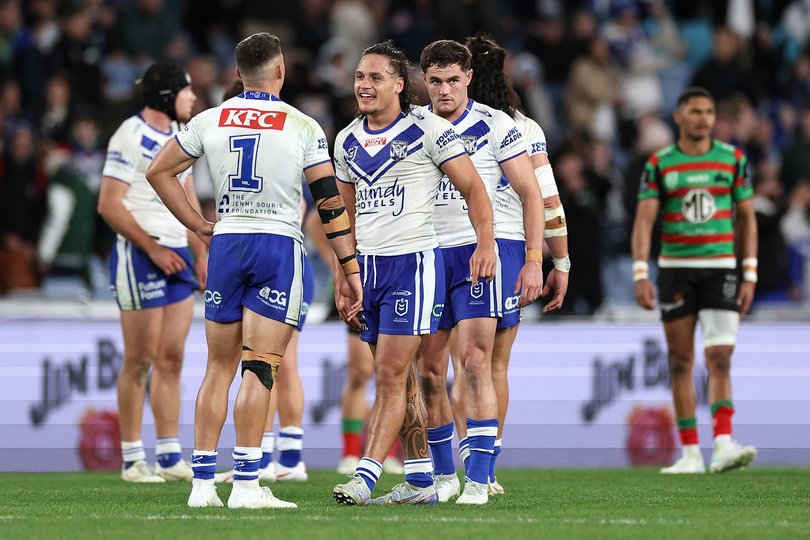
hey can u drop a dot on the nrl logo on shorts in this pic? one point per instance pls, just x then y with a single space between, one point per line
399 150
401 307
477 291
351 153
470 143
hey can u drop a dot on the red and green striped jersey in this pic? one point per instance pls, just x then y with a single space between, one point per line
697 195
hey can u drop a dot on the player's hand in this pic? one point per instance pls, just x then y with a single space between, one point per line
351 297
557 282
201 271
529 283
645 294
483 263
745 296
204 232
167 260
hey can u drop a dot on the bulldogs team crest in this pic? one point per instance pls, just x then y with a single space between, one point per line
401 306
470 144
399 150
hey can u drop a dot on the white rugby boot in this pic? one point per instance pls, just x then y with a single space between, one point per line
347 464
140 473
291 474
255 496
268 474
447 486
691 462
474 493
729 455
179 471
355 492
203 495
406 493
494 488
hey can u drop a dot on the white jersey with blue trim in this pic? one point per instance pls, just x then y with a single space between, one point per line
129 153
490 137
508 207
257 148
396 175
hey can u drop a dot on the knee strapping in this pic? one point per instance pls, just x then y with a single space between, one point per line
719 326
263 365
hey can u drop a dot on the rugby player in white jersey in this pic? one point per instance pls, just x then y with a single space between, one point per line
496 148
152 274
257 149
390 161
489 86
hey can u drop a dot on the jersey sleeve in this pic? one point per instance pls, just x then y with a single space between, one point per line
317 149
743 187
506 139
190 137
534 137
121 157
442 143
650 186
341 166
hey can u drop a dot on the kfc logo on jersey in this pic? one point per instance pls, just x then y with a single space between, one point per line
375 141
252 119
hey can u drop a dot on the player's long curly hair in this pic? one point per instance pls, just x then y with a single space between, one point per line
489 84
399 62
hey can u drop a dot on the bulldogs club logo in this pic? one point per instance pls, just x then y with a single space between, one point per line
100 441
650 438
470 143
399 150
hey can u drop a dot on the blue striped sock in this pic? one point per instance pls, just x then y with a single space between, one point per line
419 472
492 461
464 452
246 463
268 440
204 463
290 444
369 470
132 451
168 451
481 436
440 440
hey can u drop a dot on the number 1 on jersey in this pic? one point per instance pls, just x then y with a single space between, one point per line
245 178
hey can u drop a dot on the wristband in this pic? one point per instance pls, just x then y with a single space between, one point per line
641 270
534 255
350 265
750 275
563 264
749 265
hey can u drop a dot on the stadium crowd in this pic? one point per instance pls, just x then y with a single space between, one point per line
600 76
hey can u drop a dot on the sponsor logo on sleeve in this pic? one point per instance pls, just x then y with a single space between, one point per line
511 137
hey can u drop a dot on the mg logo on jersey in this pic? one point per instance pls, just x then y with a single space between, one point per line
477 291
470 143
252 119
213 297
273 296
698 206
399 150
401 306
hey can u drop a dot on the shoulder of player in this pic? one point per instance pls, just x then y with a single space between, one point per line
734 152
667 151
343 133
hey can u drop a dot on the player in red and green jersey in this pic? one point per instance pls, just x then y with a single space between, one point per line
700 185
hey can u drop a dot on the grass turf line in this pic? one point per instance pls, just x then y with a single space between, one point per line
539 503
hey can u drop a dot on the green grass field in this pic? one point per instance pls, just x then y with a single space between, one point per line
551 503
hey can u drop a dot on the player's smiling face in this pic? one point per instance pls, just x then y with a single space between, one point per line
377 86
447 87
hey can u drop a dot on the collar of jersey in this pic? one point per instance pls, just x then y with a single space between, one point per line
458 120
153 128
680 151
381 130
258 94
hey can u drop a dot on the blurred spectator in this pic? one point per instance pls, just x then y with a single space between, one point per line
798 87
76 53
773 270
593 91
641 89
23 187
582 209
796 156
66 241
796 230
143 30
57 110
724 73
